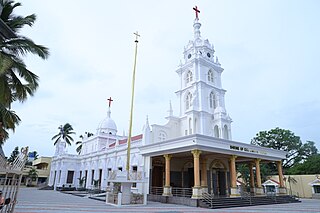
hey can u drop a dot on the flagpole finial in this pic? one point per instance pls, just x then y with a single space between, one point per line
137 35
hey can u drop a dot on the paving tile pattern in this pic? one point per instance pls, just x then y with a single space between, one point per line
31 200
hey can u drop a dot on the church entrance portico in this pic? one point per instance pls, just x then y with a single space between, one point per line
189 174
202 164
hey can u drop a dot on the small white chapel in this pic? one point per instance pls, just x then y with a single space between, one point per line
193 153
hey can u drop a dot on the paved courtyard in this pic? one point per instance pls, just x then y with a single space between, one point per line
33 200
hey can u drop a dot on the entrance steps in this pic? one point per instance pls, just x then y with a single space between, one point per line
228 202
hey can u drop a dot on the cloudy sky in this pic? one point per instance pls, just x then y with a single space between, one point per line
269 50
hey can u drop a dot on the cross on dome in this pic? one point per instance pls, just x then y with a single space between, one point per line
110 100
197 11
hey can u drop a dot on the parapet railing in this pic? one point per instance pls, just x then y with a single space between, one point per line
181 192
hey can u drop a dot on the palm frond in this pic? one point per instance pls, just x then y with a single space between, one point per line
78 149
5 64
56 136
8 118
19 22
23 45
56 141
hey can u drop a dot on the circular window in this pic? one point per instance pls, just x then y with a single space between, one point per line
189 56
209 55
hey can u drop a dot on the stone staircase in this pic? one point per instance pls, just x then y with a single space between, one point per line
212 202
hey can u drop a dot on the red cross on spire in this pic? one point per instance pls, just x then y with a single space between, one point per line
110 100
197 11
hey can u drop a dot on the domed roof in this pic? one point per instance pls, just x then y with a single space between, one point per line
108 125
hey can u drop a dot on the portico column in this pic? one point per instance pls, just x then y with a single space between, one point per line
167 190
204 181
196 190
233 176
259 189
282 188
251 177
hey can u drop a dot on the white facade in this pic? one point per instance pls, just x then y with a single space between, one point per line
202 123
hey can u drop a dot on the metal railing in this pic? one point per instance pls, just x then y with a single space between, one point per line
156 190
246 196
181 192
176 191
272 195
208 198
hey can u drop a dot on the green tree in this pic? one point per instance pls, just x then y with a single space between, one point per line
17 82
79 143
244 173
285 140
32 176
14 154
308 167
64 132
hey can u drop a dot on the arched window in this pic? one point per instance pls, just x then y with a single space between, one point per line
210 76
216 131
213 100
225 132
188 100
189 77
162 136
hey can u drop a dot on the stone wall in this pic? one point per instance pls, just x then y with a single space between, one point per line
175 200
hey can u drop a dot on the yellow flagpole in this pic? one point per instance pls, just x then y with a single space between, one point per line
131 109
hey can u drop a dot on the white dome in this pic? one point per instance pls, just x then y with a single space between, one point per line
108 125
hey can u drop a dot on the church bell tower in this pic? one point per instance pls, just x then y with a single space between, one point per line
201 96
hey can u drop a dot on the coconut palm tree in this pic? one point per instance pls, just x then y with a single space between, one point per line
8 120
16 81
79 143
64 132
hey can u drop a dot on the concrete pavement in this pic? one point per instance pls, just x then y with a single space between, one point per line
32 200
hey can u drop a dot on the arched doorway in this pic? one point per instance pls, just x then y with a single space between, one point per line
218 178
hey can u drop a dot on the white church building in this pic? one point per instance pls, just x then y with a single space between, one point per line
193 153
